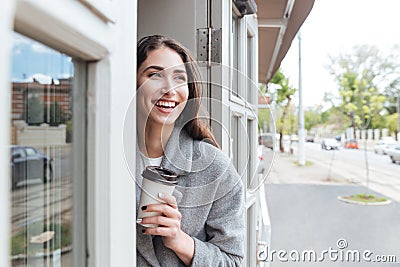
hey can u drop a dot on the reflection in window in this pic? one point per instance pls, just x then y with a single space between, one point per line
40 155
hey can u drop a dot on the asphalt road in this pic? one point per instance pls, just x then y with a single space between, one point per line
308 217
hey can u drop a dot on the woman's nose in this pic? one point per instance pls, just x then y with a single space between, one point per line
169 86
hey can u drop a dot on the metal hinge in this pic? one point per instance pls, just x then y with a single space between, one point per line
209 45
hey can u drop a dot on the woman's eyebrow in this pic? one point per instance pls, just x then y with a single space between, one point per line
159 68
179 71
153 67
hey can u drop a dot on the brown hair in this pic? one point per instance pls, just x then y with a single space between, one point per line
193 125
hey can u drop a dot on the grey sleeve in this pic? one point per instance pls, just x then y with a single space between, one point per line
225 228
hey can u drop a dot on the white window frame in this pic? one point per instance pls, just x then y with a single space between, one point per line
6 21
251 29
78 31
240 100
104 9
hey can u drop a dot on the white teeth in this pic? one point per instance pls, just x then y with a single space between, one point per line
166 104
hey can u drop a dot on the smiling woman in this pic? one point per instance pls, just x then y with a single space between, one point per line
202 222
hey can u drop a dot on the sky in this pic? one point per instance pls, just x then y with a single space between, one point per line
34 60
334 27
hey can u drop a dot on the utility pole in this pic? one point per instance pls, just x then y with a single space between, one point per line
302 158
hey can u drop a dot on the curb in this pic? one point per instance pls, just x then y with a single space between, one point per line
349 201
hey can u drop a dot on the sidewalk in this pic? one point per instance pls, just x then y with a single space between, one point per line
284 170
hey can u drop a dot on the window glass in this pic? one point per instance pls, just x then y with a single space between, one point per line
235 55
235 141
18 151
250 87
30 152
41 184
250 153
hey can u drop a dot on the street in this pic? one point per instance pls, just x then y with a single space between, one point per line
350 164
346 166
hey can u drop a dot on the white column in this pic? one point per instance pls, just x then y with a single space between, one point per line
370 134
385 132
363 134
377 134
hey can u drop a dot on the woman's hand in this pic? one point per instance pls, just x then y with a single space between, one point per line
170 227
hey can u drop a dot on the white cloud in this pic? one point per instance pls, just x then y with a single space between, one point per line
42 79
39 48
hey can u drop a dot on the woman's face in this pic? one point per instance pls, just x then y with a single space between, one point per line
162 84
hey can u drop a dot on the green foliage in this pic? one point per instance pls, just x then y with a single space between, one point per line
355 74
69 131
285 92
365 198
54 114
392 123
314 117
20 242
378 122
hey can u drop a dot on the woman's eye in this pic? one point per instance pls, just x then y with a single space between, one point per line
181 78
155 75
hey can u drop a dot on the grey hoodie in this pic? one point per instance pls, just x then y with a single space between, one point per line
211 200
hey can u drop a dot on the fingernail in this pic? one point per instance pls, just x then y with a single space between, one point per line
161 195
138 220
144 207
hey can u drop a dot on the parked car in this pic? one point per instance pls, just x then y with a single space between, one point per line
29 163
310 139
260 159
383 145
351 143
394 154
329 144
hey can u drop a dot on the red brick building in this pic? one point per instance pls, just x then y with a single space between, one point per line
47 93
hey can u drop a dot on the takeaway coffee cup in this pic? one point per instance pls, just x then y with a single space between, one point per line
155 180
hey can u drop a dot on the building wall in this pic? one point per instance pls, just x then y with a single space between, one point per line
21 91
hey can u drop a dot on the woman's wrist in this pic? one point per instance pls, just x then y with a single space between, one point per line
184 248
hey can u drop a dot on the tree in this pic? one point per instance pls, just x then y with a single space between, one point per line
357 75
284 94
33 111
391 123
54 115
